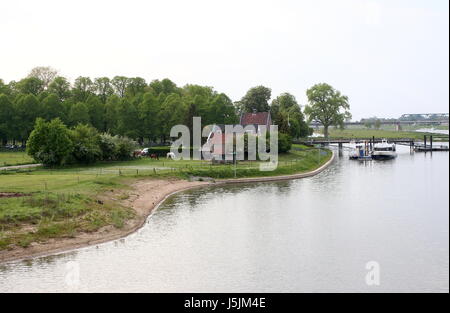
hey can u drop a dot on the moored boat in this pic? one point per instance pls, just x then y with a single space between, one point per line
384 151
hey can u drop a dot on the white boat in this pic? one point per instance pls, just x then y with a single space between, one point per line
357 152
384 151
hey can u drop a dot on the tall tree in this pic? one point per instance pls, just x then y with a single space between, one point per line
327 106
136 85
31 85
256 99
120 84
27 108
52 107
79 114
103 88
44 73
287 114
6 123
60 86
82 89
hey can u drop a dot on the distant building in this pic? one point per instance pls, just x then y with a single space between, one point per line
256 119
215 143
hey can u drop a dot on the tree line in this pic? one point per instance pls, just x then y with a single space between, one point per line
131 107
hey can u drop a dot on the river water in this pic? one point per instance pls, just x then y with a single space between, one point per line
311 235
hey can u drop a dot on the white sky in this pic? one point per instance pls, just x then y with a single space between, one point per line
389 56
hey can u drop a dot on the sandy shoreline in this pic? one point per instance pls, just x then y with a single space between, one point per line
146 195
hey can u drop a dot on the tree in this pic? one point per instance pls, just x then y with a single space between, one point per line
96 111
4 89
377 124
82 89
60 86
44 73
6 124
136 86
79 114
287 114
120 84
103 88
49 142
31 85
27 109
256 99
52 107
327 106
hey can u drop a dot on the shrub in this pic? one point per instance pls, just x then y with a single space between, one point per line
86 144
124 147
284 143
50 143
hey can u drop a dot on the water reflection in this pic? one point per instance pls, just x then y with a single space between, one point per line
313 234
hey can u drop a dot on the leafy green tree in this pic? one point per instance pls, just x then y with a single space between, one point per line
5 89
82 89
31 85
6 123
60 86
327 106
96 111
256 99
27 109
127 117
136 85
120 84
165 87
79 114
148 110
52 108
103 88
86 144
287 114
172 113
49 143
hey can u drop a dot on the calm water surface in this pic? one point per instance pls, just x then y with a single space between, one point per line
310 235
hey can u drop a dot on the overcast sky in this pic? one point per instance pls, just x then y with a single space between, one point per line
389 56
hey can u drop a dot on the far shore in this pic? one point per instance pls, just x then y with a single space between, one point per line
146 196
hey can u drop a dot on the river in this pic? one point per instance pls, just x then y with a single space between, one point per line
310 235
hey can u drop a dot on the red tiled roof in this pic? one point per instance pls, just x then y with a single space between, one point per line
255 118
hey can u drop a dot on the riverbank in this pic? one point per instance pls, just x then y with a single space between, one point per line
141 196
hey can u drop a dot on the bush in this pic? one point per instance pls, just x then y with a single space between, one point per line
107 146
124 147
284 143
116 147
86 144
50 143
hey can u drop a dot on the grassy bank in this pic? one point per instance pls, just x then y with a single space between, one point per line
380 133
15 158
63 202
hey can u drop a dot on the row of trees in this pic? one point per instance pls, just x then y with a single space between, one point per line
144 111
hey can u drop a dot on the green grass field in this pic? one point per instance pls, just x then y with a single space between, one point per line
62 202
15 158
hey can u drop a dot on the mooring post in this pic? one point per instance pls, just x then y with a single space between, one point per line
425 142
431 143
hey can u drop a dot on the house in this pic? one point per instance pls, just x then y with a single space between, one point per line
256 119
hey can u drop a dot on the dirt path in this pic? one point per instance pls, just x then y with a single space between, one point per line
18 167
